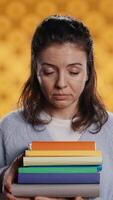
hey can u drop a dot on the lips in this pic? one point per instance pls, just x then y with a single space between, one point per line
60 96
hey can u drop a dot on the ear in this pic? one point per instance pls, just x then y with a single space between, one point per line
38 78
87 77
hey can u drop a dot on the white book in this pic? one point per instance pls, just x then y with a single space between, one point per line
30 161
56 190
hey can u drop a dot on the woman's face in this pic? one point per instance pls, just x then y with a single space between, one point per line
62 73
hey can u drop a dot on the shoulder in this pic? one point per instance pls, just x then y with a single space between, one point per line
109 122
107 128
11 119
110 114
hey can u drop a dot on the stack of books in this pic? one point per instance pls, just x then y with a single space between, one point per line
60 169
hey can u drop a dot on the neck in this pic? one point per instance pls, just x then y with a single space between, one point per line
64 113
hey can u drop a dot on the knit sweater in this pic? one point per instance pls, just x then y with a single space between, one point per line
16 134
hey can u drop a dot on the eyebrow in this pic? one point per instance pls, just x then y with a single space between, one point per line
71 64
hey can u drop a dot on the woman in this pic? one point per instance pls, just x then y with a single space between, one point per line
59 100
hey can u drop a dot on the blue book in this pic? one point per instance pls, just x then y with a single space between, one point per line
58 178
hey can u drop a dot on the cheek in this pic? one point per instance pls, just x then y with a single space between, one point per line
81 82
46 86
78 87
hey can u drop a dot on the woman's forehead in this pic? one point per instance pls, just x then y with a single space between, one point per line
66 50
62 56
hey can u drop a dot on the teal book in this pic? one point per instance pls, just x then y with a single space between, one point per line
60 169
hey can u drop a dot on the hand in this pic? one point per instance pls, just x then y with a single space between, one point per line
46 198
9 178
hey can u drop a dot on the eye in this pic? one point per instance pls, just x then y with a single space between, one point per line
74 73
48 72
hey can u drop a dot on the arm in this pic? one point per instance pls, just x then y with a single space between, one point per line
9 177
3 166
7 173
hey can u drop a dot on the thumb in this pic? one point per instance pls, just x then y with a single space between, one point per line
7 183
78 198
8 179
11 173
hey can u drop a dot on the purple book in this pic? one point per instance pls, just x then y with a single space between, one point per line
61 178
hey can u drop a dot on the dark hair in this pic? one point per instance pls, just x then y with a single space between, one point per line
61 29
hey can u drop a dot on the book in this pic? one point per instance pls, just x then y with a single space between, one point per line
56 190
36 161
63 145
60 169
36 153
59 178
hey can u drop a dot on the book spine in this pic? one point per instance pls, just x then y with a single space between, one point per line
58 178
74 169
81 145
36 161
35 153
56 190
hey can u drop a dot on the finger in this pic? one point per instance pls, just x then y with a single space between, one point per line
7 188
42 198
78 198
8 183
23 198
46 198
9 196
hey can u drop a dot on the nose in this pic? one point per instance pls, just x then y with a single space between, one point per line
61 81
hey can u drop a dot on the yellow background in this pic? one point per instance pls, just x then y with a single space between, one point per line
18 20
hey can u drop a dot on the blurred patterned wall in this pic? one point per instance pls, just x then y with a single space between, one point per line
18 20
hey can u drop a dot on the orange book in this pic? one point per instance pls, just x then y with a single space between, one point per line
63 145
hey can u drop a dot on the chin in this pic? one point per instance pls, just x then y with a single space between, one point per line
61 105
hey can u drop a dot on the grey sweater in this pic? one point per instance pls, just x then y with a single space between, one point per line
16 134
